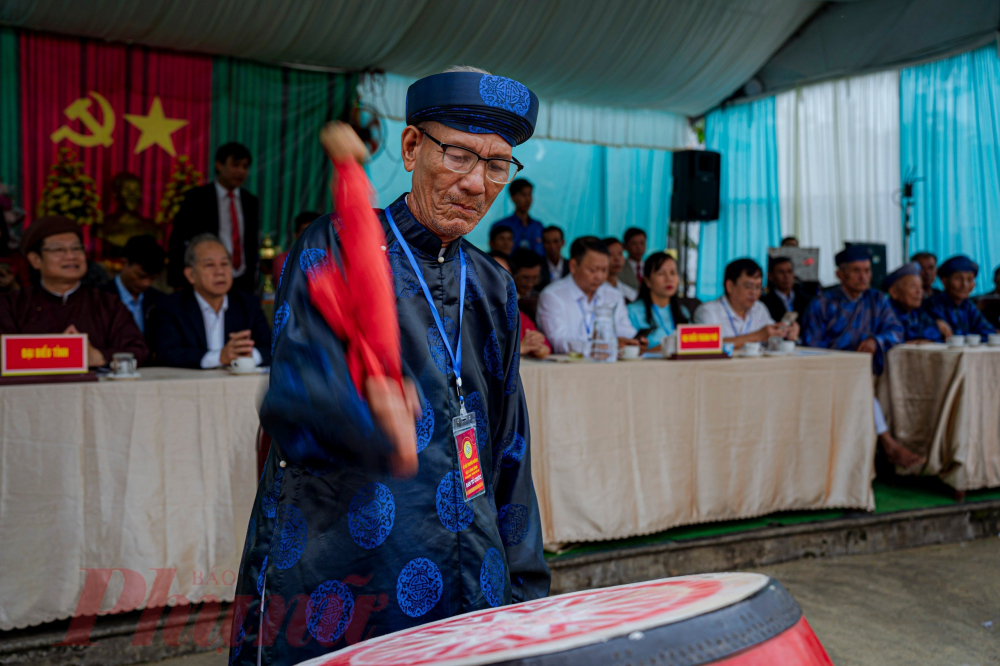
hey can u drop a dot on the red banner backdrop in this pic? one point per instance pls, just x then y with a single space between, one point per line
120 108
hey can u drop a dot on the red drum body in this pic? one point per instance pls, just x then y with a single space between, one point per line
730 619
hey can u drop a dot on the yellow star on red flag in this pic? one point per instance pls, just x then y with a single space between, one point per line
156 128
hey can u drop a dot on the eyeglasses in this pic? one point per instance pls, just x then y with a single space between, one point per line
463 160
63 250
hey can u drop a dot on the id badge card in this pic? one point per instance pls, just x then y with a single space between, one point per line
464 429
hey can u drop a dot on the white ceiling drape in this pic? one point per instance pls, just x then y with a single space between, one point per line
683 56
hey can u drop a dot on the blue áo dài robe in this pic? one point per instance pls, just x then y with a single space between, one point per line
834 321
917 324
337 549
964 318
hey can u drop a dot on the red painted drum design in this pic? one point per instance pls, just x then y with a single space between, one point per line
735 619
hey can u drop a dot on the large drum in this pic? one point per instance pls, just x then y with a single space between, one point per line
736 619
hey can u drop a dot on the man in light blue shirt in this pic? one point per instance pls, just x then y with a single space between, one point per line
144 261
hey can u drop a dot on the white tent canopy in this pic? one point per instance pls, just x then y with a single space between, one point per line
682 56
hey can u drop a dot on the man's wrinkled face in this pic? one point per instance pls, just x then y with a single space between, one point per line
62 258
590 272
909 291
959 285
450 204
212 273
856 276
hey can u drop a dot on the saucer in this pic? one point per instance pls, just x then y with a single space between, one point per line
252 371
131 375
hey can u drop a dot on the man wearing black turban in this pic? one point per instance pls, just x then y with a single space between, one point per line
340 548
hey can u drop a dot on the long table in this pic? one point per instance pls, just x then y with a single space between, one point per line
634 448
945 404
157 473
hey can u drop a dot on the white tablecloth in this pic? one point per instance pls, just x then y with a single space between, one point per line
634 448
945 404
158 473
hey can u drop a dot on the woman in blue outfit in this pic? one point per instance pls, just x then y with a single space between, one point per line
657 306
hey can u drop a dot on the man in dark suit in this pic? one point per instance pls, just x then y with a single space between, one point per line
555 266
783 293
211 209
209 325
144 261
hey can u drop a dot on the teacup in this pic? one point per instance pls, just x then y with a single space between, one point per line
123 364
994 340
243 364
751 349
629 353
577 349
788 346
956 341
973 340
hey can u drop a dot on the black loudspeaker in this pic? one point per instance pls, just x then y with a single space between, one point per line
696 186
877 252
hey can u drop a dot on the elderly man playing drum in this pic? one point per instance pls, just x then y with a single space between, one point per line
359 528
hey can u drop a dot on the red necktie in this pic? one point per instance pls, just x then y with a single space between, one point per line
237 246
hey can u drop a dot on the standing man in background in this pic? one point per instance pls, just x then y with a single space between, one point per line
527 231
224 209
928 272
635 246
555 267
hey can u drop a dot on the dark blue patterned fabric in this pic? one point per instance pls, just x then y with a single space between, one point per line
261 576
917 324
328 514
403 279
311 259
964 318
329 611
269 502
436 345
834 321
513 382
455 513
513 523
425 426
491 356
491 577
473 287
371 515
418 588
513 313
280 317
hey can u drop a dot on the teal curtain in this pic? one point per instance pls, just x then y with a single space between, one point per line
749 216
583 188
950 137
277 113
10 115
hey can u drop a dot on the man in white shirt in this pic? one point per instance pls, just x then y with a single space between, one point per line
209 325
567 307
739 312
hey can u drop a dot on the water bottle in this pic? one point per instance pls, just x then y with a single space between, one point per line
604 345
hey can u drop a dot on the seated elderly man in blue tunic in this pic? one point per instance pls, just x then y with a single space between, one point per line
906 295
958 275
855 317
340 549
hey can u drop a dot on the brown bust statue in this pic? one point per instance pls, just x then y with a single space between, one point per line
126 221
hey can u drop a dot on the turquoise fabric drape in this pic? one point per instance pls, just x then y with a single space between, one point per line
585 189
950 137
749 216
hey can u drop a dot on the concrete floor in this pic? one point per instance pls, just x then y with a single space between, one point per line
938 605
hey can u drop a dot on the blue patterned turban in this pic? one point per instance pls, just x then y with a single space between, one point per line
912 268
958 264
853 253
476 103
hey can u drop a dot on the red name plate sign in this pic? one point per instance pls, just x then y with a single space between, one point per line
44 354
699 339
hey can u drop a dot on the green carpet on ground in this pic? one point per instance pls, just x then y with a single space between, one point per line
899 494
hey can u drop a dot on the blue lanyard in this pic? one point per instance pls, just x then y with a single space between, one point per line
456 356
583 312
746 325
656 313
